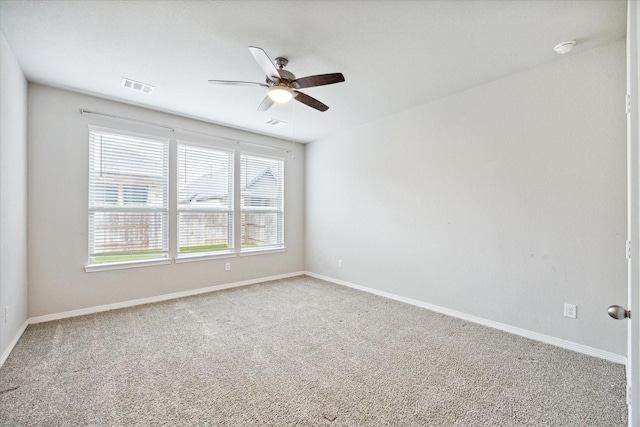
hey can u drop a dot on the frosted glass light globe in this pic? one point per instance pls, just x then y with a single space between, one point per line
280 94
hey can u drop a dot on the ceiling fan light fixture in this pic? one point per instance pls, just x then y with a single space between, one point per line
280 94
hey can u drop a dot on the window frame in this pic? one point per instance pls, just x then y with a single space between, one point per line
280 245
231 211
171 252
125 208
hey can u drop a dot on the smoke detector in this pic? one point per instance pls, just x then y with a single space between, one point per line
564 47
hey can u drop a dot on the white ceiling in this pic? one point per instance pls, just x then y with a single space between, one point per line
394 54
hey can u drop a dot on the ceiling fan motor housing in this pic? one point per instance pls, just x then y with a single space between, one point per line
285 75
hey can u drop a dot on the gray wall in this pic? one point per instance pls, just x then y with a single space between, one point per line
13 196
502 202
58 201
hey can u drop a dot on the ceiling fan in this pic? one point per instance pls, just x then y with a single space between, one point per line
281 84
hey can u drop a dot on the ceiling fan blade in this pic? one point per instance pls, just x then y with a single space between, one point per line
236 83
265 63
265 104
319 80
310 101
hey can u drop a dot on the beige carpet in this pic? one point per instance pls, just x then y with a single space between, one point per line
298 352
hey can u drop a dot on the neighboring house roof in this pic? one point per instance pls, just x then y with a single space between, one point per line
264 186
211 187
207 187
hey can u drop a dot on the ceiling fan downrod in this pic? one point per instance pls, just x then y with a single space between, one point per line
281 62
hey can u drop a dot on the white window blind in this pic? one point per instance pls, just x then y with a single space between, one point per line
262 202
205 200
128 197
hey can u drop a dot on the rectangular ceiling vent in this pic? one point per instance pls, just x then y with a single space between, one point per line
275 122
134 85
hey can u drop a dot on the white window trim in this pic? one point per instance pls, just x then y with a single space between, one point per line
118 265
106 266
202 255
264 250
261 249
178 258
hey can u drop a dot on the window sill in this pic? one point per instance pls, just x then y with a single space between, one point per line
92 268
203 257
263 251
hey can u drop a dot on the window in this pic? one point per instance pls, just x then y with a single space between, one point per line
205 200
224 202
106 194
135 194
262 202
128 197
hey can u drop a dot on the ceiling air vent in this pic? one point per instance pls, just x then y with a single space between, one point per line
276 122
134 85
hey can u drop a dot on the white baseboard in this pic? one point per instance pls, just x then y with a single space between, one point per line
131 303
5 354
590 351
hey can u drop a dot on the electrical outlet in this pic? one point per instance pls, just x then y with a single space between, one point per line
227 266
340 263
570 310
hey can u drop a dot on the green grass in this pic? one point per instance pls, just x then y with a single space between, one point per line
134 257
113 258
210 247
203 248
